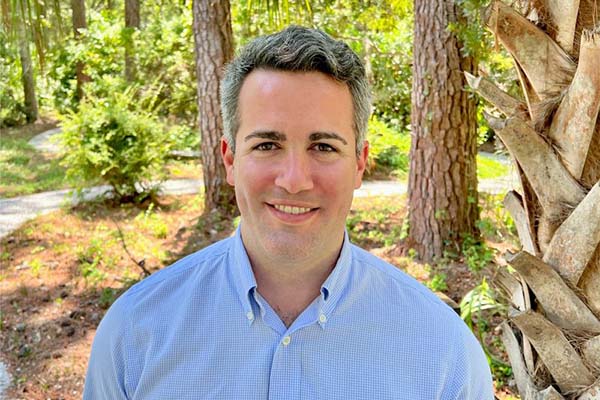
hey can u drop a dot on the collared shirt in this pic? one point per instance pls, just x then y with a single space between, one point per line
199 329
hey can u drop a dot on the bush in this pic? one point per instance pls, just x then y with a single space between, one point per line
12 112
118 140
388 149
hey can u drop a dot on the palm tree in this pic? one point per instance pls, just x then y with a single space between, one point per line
553 334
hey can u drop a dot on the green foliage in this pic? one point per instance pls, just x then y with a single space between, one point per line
477 254
479 299
489 168
119 140
35 267
90 258
438 283
11 95
476 308
163 52
25 170
496 223
388 149
372 227
151 221
100 48
107 297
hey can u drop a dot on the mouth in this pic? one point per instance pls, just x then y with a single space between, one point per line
292 210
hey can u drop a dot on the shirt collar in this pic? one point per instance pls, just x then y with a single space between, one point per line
336 283
332 289
241 274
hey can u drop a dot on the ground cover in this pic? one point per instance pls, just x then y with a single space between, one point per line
60 272
24 170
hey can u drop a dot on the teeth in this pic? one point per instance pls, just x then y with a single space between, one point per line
291 210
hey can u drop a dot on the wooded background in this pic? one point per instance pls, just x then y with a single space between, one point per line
131 81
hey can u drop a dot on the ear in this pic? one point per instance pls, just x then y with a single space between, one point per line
361 164
227 156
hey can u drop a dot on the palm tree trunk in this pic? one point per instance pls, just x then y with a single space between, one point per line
554 138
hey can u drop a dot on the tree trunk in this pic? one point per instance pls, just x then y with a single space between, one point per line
554 139
31 105
442 181
132 22
79 22
213 40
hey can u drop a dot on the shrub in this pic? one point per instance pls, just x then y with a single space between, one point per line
388 149
118 140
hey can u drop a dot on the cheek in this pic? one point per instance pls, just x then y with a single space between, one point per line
254 176
336 183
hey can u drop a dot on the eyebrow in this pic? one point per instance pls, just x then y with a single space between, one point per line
271 135
326 135
278 136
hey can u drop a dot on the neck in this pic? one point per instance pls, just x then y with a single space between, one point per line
290 287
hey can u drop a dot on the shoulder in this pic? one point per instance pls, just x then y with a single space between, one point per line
431 327
396 282
164 290
406 302
196 264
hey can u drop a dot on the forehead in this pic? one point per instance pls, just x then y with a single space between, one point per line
297 101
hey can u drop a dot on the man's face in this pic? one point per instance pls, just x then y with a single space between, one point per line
295 166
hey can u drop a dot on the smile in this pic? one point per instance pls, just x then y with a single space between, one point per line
291 209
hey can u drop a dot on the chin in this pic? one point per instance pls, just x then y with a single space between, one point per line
291 247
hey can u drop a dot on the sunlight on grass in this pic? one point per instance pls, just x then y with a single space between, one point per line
26 170
490 168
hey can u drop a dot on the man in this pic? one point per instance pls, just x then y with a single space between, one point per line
287 308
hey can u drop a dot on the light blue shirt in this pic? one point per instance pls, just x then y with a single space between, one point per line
200 330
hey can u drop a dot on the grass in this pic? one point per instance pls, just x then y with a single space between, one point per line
490 168
26 170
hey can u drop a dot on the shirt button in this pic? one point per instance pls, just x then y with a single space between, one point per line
250 315
322 318
286 340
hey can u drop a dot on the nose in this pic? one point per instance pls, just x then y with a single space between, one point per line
294 174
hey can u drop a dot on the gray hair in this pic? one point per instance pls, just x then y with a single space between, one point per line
297 49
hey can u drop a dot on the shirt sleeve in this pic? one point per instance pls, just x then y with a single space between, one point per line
474 381
105 378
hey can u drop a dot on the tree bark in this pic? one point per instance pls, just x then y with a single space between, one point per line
213 38
442 181
27 77
132 22
79 22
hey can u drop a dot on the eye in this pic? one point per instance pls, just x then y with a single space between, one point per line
265 146
324 147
